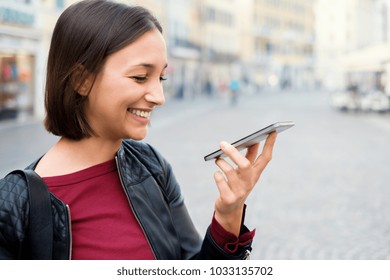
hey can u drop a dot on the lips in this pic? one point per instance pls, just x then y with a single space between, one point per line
140 113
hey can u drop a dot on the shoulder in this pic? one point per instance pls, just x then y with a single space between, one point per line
145 153
13 203
13 186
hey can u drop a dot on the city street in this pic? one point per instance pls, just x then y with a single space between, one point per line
325 194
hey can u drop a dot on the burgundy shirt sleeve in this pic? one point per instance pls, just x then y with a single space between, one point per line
227 240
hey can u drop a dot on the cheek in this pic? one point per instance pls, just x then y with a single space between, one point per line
114 94
103 92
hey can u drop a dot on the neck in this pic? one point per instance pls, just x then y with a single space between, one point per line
68 156
92 150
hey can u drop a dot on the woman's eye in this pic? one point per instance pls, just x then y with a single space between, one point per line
142 79
139 79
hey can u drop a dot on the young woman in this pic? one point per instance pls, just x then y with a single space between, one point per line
113 198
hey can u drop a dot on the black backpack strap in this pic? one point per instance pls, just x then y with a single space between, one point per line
40 230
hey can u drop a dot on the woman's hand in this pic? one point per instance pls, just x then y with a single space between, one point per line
235 184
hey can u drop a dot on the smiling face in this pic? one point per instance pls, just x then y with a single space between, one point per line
127 89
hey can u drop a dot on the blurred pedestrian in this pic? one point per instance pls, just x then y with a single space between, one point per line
234 87
113 198
208 88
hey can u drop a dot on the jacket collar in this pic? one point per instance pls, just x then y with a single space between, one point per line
132 163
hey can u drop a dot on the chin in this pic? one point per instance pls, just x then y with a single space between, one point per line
136 136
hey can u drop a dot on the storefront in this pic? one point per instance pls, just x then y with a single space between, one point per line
20 56
16 85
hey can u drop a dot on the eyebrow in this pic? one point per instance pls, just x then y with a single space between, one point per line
148 65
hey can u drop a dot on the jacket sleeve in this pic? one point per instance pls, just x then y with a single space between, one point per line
192 246
13 213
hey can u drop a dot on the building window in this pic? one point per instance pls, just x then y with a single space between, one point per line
210 15
219 17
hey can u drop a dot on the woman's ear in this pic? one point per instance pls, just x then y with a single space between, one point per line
81 80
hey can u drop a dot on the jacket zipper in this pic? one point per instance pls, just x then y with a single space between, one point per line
70 230
131 206
68 216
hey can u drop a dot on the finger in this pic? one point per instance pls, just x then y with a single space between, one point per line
241 161
252 151
266 154
227 169
222 185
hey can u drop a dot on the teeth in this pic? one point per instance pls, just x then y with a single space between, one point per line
139 113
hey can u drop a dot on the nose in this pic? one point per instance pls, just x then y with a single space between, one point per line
155 94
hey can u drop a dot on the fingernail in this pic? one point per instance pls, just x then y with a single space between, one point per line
224 144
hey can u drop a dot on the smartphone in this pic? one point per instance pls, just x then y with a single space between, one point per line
253 138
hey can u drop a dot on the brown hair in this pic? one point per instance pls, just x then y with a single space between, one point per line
84 35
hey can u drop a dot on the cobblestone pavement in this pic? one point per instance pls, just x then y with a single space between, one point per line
325 195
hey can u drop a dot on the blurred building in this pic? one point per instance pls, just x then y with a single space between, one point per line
352 46
283 33
262 44
203 38
182 35
20 57
25 30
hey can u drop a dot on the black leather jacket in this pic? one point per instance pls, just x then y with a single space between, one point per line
153 194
